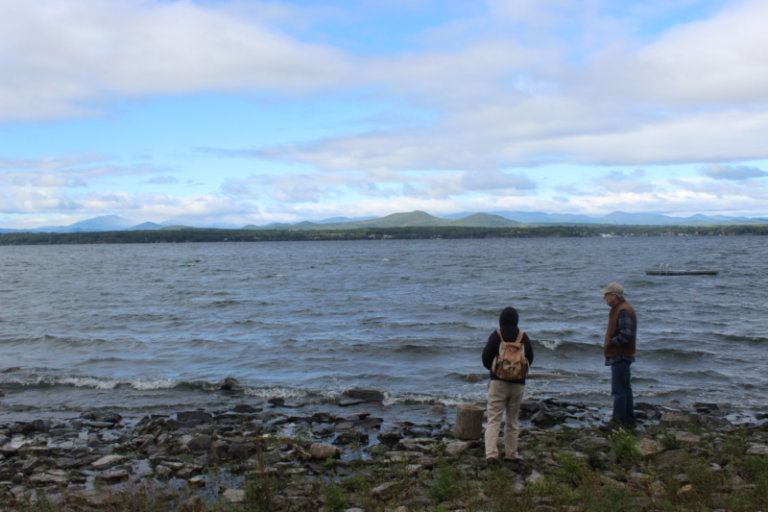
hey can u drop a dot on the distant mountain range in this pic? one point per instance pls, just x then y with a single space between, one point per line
422 219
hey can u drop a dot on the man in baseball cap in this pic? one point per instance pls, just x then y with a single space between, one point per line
619 350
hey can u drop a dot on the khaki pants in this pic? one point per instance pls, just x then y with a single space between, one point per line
503 397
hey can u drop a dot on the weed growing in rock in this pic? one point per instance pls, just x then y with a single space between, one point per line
624 446
446 483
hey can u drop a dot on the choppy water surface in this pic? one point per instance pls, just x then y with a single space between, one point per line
161 325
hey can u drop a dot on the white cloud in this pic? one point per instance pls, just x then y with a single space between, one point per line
731 172
64 58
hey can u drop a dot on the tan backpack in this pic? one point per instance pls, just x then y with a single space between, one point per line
511 363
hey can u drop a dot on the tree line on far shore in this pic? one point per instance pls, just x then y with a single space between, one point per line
400 233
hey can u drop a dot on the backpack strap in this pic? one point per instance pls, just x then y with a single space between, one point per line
519 338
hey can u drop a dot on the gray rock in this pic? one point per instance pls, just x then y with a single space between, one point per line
455 448
351 437
675 417
51 477
389 438
113 476
231 385
200 443
548 417
105 417
687 437
384 488
648 447
323 451
757 449
108 461
234 495
360 396
193 418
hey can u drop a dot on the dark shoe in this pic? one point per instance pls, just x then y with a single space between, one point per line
492 461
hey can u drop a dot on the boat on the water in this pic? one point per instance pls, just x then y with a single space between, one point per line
669 272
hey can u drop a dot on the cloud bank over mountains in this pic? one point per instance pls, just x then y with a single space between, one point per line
232 112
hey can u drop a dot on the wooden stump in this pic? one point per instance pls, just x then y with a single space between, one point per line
469 422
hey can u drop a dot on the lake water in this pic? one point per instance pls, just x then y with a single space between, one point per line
159 326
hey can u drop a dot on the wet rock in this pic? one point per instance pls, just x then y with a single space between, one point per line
706 408
26 428
389 438
547 417
102 417
192 418
231 385
360 396
351 437
246 409
322 417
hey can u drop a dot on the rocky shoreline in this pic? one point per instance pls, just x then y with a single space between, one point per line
354 455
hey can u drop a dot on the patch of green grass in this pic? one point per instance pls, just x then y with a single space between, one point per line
447 483
334 497
571 471
624 446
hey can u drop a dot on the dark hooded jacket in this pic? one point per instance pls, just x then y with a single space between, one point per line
509 330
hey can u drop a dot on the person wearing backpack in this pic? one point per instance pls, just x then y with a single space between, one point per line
505 391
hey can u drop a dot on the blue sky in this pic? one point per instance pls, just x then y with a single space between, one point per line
227 113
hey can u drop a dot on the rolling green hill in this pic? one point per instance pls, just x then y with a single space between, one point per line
414 219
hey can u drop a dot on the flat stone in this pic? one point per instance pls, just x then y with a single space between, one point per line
455 448
757 449
113 476
675 417
52 477
198 481
108 461
648 447
383 488
234 495
687 437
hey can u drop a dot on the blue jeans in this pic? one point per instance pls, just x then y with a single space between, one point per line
621 389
